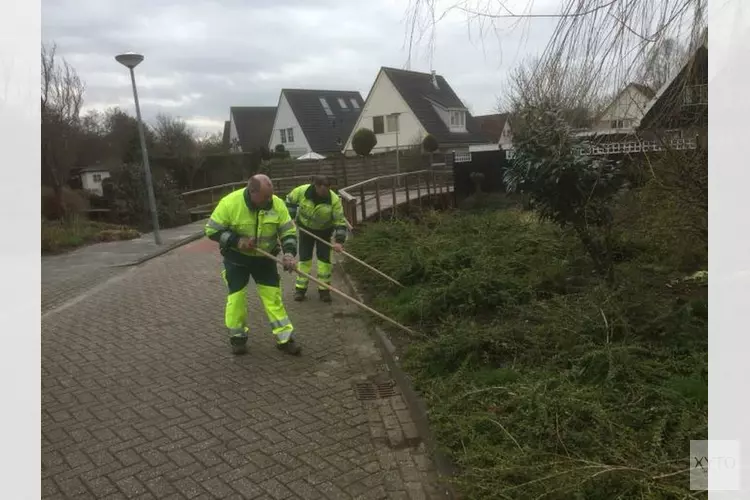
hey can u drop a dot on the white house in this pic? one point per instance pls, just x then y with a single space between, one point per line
91 179
404 106
626 109
496 129
314 121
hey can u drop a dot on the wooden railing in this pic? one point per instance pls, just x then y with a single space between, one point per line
361 201
202 201
372 197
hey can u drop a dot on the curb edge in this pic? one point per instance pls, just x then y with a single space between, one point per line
164 250
417 408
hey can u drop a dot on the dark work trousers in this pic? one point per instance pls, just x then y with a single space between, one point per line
322 252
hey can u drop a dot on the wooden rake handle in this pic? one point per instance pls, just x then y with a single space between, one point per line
355 259
340 293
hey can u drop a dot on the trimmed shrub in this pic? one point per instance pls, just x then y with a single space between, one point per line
430 144
363 141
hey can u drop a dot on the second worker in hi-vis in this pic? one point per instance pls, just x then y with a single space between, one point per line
317 209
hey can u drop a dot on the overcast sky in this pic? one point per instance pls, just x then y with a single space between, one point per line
204 56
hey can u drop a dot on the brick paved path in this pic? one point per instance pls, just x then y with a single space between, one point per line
73 273
141 398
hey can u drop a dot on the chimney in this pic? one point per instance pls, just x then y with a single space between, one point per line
434 80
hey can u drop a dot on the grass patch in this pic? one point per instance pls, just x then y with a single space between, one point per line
64 235
542 381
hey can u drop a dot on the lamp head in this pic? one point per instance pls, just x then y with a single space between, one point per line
129 59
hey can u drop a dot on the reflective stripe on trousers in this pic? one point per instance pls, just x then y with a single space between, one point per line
281 325
235 314
325 270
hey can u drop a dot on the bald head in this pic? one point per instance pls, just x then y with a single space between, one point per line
261 189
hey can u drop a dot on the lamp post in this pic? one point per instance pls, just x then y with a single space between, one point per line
131 60
398 153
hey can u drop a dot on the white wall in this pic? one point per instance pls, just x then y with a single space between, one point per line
285 119
383 100
628 107
89 184
506 137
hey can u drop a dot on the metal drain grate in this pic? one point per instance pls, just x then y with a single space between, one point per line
368 391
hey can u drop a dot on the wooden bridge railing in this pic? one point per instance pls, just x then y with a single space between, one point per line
361 201
371 197
202 201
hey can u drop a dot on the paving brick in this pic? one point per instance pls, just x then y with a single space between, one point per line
247 489
160 487
188 487
101 486
175 415
217 488
131 487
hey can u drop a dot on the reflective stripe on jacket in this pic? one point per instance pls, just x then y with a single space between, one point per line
317 214
235 217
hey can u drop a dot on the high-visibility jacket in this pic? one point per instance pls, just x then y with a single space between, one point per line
317 213
235 217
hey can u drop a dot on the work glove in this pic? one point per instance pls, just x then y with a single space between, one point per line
246 244
289 262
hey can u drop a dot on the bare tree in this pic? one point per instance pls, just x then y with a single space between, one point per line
176 141
606 41
662 60
175 138
61 99
540 83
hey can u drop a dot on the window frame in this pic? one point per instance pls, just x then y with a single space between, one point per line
381 118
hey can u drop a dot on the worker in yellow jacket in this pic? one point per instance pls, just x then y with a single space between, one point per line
317 209
246 219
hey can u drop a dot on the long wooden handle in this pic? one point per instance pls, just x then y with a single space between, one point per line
355 259
340 293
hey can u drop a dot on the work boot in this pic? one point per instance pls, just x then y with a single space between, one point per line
238 343
299 295
325 295
290 347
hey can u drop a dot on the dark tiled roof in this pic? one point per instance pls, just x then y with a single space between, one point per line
419 93
320 129
225 137
663 110
254 125
491 126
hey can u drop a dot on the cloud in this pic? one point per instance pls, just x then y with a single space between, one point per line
201 57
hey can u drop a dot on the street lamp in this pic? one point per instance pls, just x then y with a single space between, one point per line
131 60
396 115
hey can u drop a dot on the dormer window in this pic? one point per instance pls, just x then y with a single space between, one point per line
326 106
458 119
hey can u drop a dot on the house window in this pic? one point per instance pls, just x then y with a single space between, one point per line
392 123
378 125
283 135
97 177
289 135
354 102
458 119
326 106
618 124
342 103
